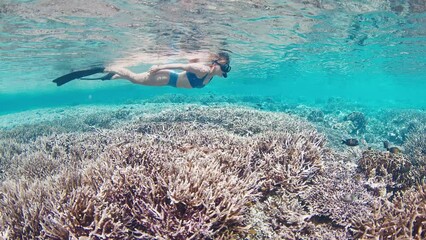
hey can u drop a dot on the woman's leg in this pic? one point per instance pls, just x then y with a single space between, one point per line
159 78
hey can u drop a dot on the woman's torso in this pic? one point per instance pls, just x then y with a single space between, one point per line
191 80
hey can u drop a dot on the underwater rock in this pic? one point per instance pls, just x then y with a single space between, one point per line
316 116
359 121
417 6
369 138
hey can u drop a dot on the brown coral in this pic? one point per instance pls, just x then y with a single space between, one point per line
184 198
415 148
180 173
402 218
289 161
22 206
337 196
358 120
385 165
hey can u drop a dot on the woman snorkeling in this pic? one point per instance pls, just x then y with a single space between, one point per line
196 74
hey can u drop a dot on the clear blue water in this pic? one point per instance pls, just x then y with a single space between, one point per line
349 76
367 51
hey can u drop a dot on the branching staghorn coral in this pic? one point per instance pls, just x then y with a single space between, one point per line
238 120
188 198
180 173
286 213
402 218
289 161
337 196
415 149
87 121
289 165
22 206
204 179
99 120
8 149
46 156
385 165
28 133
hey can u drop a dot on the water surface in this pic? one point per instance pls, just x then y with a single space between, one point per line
367 51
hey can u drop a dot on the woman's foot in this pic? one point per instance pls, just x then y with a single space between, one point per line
115 76
112 72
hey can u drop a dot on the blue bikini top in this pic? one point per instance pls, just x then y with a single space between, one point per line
194 81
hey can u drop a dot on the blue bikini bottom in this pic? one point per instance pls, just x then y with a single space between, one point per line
194 81
173 79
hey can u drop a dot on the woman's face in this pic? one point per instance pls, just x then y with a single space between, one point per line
222 61
222 67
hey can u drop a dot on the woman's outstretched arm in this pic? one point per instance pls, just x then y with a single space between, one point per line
191 67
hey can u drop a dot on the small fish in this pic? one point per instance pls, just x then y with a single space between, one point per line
351 142
394 150
386 144
391 149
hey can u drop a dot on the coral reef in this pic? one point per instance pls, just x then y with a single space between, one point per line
8 149
417 6
48 155
402 218
289 161
393 169
184 175
415 149
191 198
22 205
338 195
239 120
399 124
316 116
197 172
358 120
28 133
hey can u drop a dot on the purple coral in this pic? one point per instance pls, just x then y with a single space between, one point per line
189 171
402 218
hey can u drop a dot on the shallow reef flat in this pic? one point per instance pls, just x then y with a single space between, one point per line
252 170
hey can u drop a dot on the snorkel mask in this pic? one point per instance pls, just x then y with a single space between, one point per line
225 68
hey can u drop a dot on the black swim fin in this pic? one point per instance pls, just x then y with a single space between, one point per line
105 77
79 74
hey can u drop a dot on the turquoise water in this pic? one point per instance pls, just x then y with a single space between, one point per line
369 52
319 131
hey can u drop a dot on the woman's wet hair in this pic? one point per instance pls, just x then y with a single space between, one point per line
224 56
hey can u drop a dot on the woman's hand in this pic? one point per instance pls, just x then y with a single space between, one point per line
154 69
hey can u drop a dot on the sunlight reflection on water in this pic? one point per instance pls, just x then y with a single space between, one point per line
43 38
